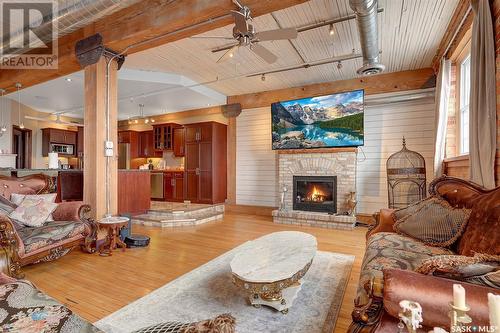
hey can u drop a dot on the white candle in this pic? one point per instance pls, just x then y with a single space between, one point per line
458 296
494 307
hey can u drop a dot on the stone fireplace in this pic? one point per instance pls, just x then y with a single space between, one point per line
315 186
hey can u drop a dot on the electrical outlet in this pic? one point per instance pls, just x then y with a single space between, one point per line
108 148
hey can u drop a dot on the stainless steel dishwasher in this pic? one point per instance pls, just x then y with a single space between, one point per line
157 185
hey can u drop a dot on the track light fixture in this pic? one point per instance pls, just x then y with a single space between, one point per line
263 77
331 31
339 65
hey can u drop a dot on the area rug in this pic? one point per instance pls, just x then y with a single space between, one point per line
208 291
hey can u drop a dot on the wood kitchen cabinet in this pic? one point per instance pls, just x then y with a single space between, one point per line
132 138
173 188
79 140
179 141
58 136
163 136
146 146
205 162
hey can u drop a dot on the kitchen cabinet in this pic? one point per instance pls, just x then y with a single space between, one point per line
132 138
146 147
173 186
205 162
163 136
179 141
79 140
57 136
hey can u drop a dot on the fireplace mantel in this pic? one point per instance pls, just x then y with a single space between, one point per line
318 150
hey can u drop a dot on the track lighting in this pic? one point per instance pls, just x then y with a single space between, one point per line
331 30
263 77
339 65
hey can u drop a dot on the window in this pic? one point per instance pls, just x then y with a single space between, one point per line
464 83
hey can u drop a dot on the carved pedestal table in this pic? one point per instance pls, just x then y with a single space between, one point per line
112 225
269 269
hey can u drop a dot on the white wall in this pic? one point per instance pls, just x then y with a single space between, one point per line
385 125
256 162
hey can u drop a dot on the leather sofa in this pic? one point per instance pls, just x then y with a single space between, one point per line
385 249
21 245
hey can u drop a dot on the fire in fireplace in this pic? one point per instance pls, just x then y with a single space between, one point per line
316 194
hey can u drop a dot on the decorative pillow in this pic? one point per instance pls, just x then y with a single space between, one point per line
481 234
224 323
435 222
33 212
482 269
50 198
398 214
6 206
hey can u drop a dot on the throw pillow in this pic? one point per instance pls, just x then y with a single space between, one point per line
6 206
481 234
481 269
224 323
18 198
398 214
33 212
435 222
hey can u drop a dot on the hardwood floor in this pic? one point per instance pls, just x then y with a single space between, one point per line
95 286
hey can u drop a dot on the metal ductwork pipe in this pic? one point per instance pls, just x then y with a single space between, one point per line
71 15
366 15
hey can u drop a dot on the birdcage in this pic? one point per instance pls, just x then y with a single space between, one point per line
405 177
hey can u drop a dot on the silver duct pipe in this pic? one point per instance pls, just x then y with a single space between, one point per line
366 14
71 16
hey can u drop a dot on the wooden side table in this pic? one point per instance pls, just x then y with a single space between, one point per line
112 225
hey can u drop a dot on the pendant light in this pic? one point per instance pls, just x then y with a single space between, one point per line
3 128
19 122
141 112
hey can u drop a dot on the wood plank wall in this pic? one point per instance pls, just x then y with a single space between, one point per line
256 162
385 125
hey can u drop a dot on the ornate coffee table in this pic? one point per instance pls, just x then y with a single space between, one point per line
270 268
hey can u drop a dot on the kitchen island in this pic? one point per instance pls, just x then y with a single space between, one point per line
134 186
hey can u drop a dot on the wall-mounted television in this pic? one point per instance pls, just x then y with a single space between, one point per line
319 122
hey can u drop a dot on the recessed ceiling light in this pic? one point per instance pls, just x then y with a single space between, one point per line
68 79
231 55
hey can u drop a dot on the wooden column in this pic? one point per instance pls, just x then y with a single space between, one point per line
231 161
95 177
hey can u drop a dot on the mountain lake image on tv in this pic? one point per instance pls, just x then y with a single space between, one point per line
319 122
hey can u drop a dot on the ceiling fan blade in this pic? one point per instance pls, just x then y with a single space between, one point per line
224 47
54 121
237 3
264 53
240 21
278 34
37 118
211 37
229 53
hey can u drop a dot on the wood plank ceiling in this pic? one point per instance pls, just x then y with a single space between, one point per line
409 34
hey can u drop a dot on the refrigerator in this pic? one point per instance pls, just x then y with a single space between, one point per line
124 156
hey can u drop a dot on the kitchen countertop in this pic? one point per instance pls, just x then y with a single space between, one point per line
41 169
171 170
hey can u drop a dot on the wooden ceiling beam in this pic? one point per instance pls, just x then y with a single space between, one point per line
460 22
150 23
377 84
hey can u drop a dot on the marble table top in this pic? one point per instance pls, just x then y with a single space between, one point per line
113 220
274 257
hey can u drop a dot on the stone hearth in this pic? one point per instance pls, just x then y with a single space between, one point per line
340 164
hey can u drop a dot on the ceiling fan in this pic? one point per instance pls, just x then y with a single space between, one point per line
56 121
246 36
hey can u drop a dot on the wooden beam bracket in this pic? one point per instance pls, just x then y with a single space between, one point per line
89 50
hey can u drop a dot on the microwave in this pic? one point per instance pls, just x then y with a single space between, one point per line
62 149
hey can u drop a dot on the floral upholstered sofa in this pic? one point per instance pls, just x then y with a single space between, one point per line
21 245
387 249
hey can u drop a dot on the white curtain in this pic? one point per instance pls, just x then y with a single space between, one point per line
482 112
441 113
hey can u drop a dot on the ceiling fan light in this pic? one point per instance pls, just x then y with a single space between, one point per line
3 129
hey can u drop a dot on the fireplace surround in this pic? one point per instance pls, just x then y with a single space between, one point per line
316 164
315 193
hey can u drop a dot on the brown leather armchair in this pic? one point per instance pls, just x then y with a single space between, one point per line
21 245
386 249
